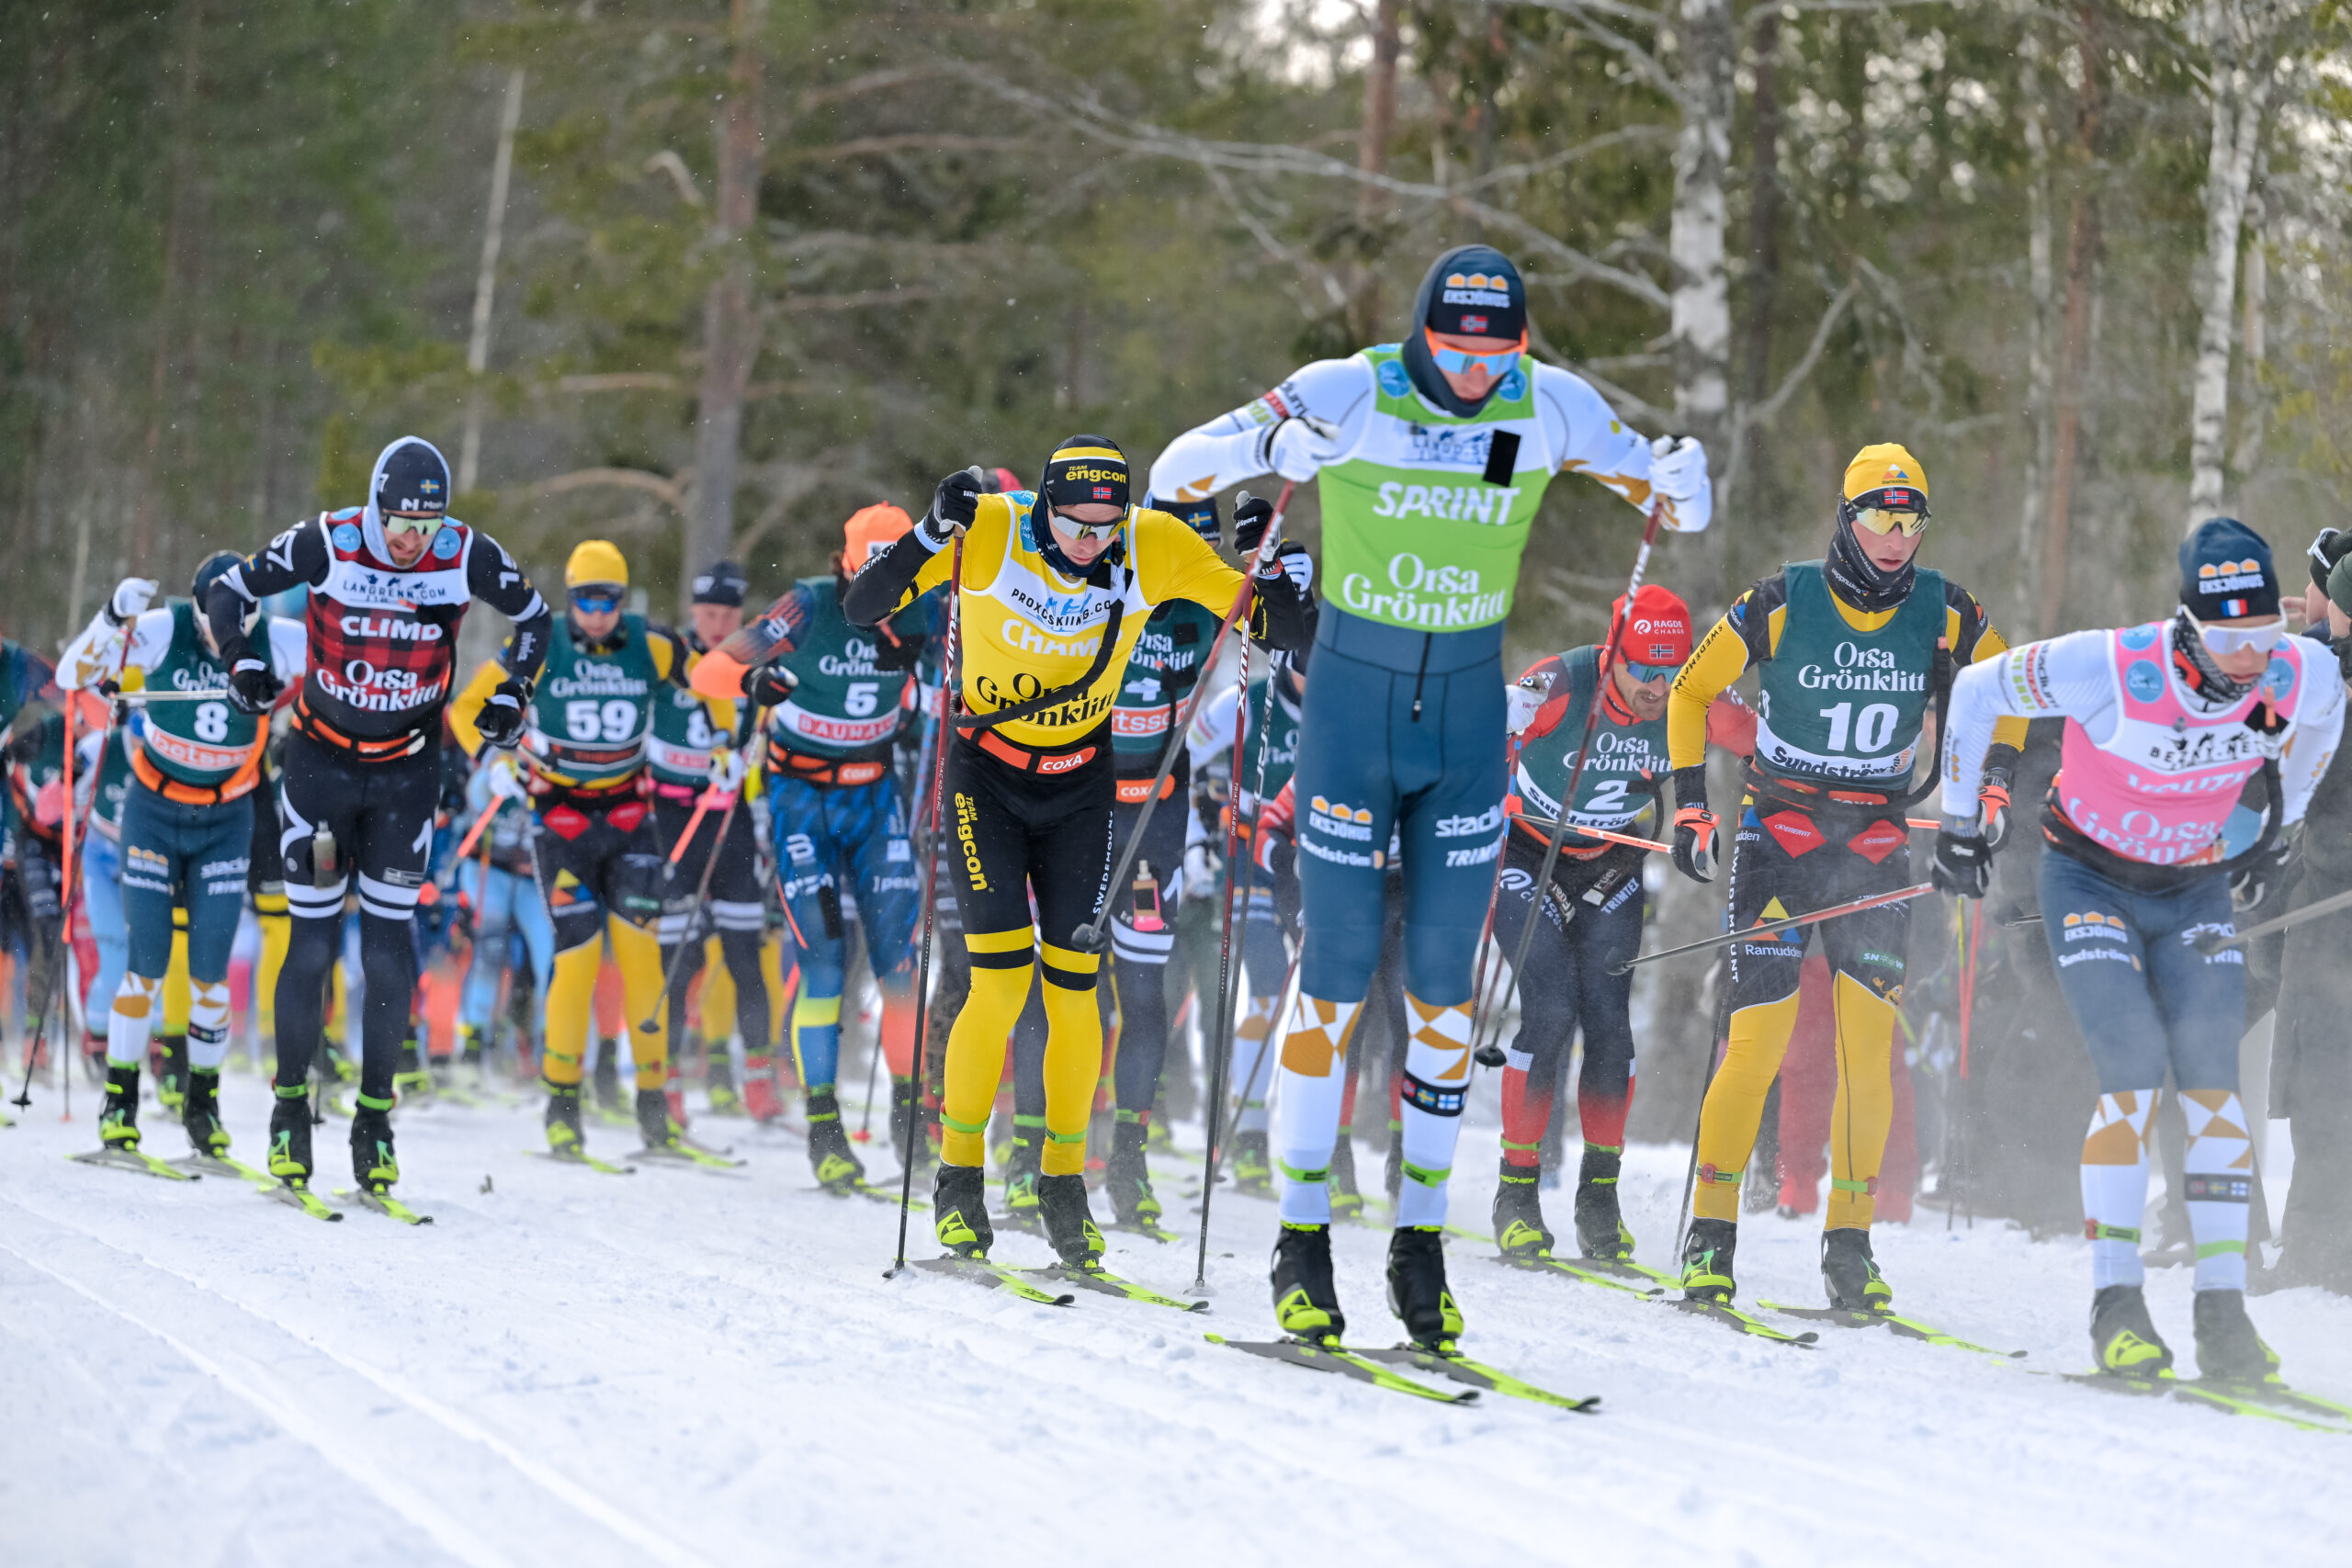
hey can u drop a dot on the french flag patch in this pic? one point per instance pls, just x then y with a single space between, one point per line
2233 608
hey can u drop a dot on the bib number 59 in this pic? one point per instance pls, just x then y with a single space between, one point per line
588 720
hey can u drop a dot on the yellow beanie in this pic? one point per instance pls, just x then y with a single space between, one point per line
595 560
1884 465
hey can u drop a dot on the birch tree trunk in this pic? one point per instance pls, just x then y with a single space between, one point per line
494 234
1372 156
2042 285
2240 45
730 327
179 221
1763 241
2075 327
1701 308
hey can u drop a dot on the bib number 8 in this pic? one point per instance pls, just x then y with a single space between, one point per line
589 720
1869 733
211 721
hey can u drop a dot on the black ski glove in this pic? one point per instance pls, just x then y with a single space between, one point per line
1964 863
2269 873
1251 516
253 685
1694 825
501 719
954 505
769 685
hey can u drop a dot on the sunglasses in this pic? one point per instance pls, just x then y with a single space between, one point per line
425 527
2236 639
596 601
1645 673
1078 533
1459 362
1880 520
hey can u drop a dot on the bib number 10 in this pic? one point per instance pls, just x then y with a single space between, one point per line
1869 734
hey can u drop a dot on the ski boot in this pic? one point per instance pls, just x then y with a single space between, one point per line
411 1078
762 1103
201 1114
906 1114
118 1118
1061 1203
654 1123
565 1139
372 1162
607 1080
1520 1229
2228 1349
1600 1228
960 1210
719 1079
1417 1291
1127 1180
828 1152
171 1078
2124 1340
1307 1302
1707 1257
290 1135
1021 1175
1253 1172
1392 1175
1347 1202
1849 1274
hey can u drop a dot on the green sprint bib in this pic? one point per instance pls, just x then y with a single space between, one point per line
202 743
591 712
1614 788
1413 534
1834 704
844 703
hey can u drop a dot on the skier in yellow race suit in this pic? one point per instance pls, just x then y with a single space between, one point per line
1054 588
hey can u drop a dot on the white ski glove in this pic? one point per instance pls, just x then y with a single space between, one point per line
1200 872
1299 446
131 597
503 778
1678 474
725 775
1525 702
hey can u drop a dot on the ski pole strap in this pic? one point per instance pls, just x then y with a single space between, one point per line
1426 1176
2094 1231
1867 1186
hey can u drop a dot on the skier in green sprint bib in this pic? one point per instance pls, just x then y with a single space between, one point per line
1433 454
186 829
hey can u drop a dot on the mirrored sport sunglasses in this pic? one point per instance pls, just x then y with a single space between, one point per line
424 526
597 600
1881 520
2233 640
1645 673
1458 362
1071 529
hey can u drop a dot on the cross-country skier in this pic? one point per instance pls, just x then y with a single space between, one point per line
834 689
589 722
1592 911
389 582
1055 589
1850 653
1434 456
2166 722
185 831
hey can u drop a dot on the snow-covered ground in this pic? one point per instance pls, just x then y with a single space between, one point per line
681 1366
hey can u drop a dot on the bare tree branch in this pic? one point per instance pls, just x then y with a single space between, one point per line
671 492
802 304
1770 409
667 161
907 141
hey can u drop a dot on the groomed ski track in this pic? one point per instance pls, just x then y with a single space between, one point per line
677 1370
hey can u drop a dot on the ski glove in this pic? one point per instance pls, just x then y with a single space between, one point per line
1299 446
501 719
131 597
725 773
954 505
770 685
2269 873
2331 545
1523 702
1252 514
1292 561
1963 861
1694 825
1993 795
1679 476
1200 872
505 780
253 685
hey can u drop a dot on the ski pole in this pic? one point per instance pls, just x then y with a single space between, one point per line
1766 928
1601 833
474 834
652 1025
2208 942
1241 1092
865 1123
930 895
1087 938
1492 1056
1225 976
1584 749
1718 1046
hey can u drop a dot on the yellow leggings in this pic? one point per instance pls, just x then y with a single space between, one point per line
276 930
571 997
1002 963
1865 1108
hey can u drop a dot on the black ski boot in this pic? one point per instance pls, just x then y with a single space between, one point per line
719 1081
1347 1201
2124 1340
1417 1291
1061 1203
118 1118
1850 1275
171 1078
1306 1302
410 1078
959 1210
654 1123
2228 1349
565 1138
201 1114
290 1135
1253 1170
607 1077
372 1161
1707 1255
828 1152
1128 1179
1520 1229
1600 1228
1021 1176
